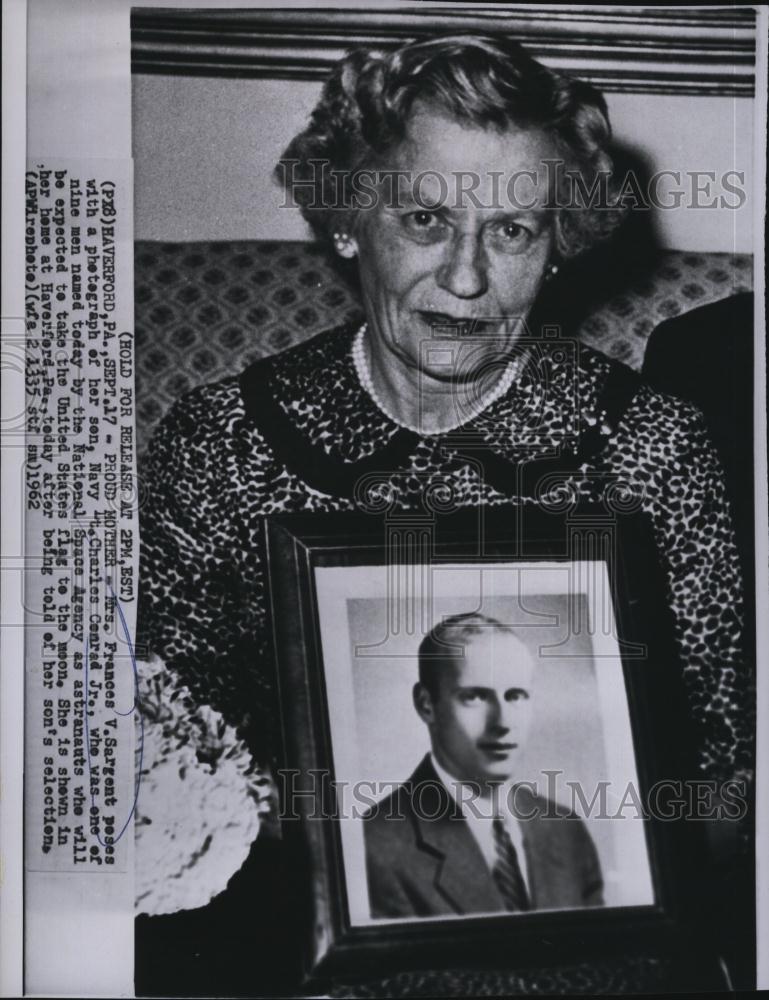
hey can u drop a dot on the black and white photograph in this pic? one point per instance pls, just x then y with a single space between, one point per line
388 428
470 772
453 259
460 734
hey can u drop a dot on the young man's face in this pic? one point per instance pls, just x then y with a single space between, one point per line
479 720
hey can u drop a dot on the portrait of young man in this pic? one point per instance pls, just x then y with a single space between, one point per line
468 833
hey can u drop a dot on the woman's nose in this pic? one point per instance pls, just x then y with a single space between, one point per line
463 272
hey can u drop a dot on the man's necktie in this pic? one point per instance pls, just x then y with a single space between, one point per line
507 871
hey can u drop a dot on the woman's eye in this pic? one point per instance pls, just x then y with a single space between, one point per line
424 219
510 236
423 224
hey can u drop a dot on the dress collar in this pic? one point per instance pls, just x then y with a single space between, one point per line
321 424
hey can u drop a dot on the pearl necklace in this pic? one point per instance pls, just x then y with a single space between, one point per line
364 376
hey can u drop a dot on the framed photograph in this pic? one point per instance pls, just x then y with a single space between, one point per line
483 746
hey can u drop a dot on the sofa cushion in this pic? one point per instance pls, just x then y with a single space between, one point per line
206 310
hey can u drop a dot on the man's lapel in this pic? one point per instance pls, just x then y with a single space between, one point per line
461 875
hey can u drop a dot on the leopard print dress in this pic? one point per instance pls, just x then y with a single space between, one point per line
298 432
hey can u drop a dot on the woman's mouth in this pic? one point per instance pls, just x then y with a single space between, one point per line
445 324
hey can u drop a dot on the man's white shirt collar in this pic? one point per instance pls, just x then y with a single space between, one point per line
480 817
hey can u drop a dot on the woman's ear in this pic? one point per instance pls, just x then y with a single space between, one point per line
423 703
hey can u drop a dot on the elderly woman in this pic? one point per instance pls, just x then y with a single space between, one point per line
444 173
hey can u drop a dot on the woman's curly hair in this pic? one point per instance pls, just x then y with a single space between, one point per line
484 81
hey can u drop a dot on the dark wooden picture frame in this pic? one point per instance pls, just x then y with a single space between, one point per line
675 923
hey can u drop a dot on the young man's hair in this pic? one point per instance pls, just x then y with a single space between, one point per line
447 640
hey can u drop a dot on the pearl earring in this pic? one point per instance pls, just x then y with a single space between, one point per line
344 245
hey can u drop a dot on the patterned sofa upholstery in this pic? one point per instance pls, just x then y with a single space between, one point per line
205 310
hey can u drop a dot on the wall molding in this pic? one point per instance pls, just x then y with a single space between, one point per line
659 50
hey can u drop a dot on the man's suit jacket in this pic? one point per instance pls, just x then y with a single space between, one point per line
422 859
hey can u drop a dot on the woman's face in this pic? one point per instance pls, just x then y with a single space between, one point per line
453 256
